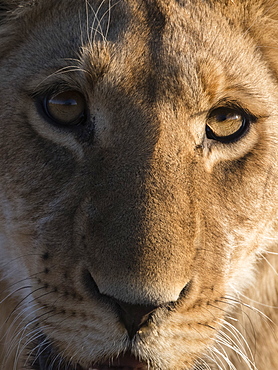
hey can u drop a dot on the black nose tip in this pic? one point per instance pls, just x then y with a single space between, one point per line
133 316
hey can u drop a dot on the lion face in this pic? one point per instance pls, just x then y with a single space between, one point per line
138 178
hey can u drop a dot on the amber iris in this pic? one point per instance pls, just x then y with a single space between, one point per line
226 124
66 108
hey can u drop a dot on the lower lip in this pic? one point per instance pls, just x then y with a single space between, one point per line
124 362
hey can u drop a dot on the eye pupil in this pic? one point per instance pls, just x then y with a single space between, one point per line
66 108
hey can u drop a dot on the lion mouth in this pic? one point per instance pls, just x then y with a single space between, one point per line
48 359
124 362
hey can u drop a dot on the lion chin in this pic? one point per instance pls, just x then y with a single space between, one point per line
138 184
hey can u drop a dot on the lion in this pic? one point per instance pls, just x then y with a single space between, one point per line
138 184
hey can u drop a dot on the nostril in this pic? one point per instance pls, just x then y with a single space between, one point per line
133 316
90 284
185 291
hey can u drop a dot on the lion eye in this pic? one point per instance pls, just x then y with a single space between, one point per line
66 108
226 124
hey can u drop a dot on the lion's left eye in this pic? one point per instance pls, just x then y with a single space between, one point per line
66 108
227 124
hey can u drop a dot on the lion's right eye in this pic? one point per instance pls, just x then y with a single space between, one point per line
66 108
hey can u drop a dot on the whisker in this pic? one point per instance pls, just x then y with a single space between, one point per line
23 334
97 29
8 288
225 357
108 20
11 294
227 341
40 348
216 358
250 307
269 264
239 337
4 265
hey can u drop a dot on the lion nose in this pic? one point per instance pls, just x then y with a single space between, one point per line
133 316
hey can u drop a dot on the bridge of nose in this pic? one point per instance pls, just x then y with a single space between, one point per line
140 234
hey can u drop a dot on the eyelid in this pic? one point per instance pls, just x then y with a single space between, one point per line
231 104
54 88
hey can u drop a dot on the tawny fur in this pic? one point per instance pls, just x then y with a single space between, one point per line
139 199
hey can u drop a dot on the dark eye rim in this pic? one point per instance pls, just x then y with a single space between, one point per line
41 103
247 120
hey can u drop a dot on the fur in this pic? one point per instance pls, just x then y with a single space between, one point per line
138 210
